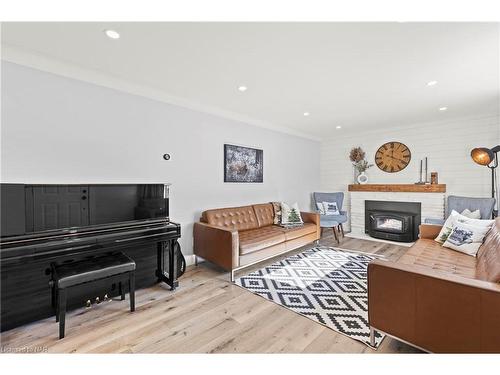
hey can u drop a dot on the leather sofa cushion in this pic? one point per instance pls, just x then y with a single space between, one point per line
488 257
304 230
430 254
260 238
264 213
233 218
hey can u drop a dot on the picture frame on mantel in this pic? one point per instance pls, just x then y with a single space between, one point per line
243 164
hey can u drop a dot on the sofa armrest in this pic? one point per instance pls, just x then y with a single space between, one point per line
436 311
312 217
429 231
217 245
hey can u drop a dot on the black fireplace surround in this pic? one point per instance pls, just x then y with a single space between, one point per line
394 221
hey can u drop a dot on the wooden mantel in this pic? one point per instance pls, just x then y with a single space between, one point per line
400 188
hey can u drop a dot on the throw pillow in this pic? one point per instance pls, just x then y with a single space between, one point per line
277 212
454 218
331 208
471 214
290 214
466 238
321 208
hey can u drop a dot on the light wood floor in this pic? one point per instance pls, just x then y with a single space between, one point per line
207 314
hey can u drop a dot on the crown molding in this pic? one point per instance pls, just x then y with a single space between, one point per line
62 68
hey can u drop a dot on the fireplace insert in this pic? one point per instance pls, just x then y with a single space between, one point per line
395 221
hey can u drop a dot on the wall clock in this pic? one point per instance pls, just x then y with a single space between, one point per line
392 157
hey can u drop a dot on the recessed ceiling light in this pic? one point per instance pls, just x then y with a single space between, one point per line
432 83
112 34
443 108
338 127
306 114
242 88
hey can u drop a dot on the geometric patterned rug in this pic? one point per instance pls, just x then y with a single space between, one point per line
323 284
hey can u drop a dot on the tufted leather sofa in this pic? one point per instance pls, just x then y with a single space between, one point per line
439 299
236 237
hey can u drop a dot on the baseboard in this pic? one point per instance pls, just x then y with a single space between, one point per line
190 259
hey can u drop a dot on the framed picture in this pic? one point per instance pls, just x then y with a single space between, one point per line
243 164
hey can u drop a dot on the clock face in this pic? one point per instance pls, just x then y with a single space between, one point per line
392 157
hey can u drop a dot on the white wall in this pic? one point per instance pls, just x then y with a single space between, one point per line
447 145
59 130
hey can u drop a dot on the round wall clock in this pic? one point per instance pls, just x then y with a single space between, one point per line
392 157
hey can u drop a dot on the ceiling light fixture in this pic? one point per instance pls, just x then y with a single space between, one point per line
242 88
432 83
338 127
443 109
112 34
306 114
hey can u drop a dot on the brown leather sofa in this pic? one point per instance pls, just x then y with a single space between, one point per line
236 237
438 299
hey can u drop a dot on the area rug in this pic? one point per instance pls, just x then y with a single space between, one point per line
326 285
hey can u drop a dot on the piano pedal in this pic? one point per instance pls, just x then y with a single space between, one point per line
88 304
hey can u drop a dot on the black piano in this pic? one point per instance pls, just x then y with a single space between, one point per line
41 224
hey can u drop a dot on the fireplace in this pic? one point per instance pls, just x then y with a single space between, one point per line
395 221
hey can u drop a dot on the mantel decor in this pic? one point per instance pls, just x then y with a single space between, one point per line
357 157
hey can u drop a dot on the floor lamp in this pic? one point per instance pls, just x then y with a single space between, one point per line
489 158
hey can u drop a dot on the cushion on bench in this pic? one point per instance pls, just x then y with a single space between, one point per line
79 272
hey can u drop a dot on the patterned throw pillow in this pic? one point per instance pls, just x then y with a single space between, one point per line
466 238
471 214
321 208
277 212
455 218
331 208
290 214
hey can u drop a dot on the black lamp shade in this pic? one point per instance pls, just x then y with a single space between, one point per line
482 155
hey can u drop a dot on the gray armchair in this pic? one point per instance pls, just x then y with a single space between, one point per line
457 203
331 221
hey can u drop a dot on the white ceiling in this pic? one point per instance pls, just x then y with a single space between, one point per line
355 75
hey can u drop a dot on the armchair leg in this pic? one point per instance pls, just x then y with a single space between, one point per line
335 234
342 229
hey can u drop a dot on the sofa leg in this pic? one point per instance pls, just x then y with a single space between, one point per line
232 276
372 336
195 260
316 242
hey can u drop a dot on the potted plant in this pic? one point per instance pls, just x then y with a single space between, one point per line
357 157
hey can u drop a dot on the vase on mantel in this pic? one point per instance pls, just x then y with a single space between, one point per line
362 178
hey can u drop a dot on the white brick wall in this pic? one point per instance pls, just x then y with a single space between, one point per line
447 144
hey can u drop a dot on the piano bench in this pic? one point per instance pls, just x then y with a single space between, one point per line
67 275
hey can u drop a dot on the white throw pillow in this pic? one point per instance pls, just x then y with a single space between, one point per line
290 214
331 208
466 238
455 218
471 215
321 208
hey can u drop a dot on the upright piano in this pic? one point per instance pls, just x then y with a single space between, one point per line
41 224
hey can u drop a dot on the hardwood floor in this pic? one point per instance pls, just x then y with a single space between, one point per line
207 314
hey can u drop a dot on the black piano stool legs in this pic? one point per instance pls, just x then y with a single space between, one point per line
61 295
61 309
131 289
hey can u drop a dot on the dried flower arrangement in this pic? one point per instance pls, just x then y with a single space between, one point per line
357 157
